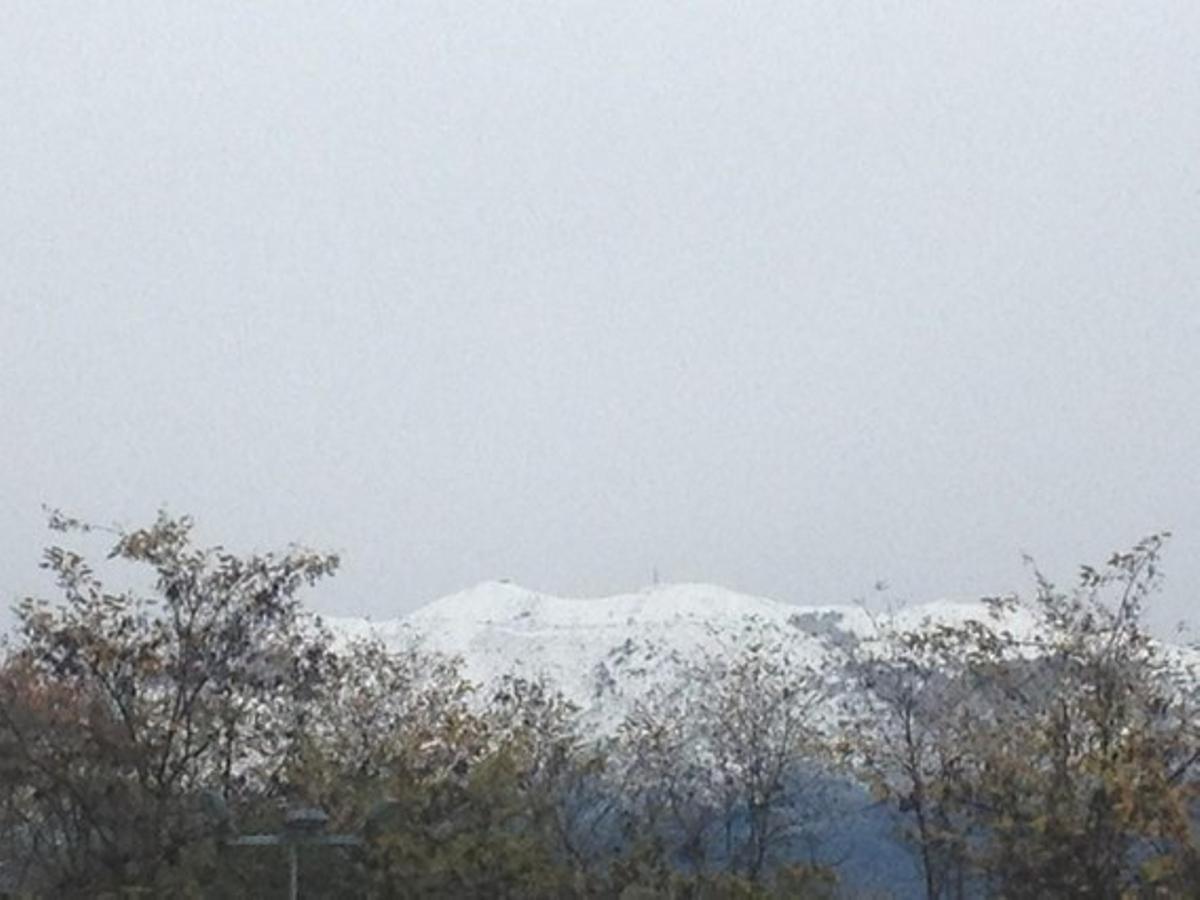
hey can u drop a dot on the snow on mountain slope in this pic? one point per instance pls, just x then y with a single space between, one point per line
605 653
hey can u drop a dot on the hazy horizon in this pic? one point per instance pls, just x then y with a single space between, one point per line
789 298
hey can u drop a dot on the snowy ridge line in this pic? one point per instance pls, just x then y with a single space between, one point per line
606 653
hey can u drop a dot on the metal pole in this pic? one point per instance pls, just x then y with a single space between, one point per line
293 840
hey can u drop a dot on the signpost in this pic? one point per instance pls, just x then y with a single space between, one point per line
301 827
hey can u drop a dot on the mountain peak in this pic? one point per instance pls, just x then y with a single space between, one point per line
486 601
504 602
606 652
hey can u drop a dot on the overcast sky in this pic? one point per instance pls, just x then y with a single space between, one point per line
788 297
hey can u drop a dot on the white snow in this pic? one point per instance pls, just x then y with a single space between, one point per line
606 652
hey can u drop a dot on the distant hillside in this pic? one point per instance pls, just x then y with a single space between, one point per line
606 652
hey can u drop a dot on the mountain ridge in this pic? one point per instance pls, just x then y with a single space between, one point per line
606 653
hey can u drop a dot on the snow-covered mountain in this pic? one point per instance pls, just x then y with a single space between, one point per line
606 652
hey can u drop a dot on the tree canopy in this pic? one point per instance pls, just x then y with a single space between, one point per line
142 728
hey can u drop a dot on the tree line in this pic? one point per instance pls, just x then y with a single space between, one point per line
142 730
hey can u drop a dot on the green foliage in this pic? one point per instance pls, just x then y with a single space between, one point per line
465 837
722 762
1061 764
118 711
141 730
798 882
485 809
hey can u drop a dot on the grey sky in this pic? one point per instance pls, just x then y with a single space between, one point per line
788 297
